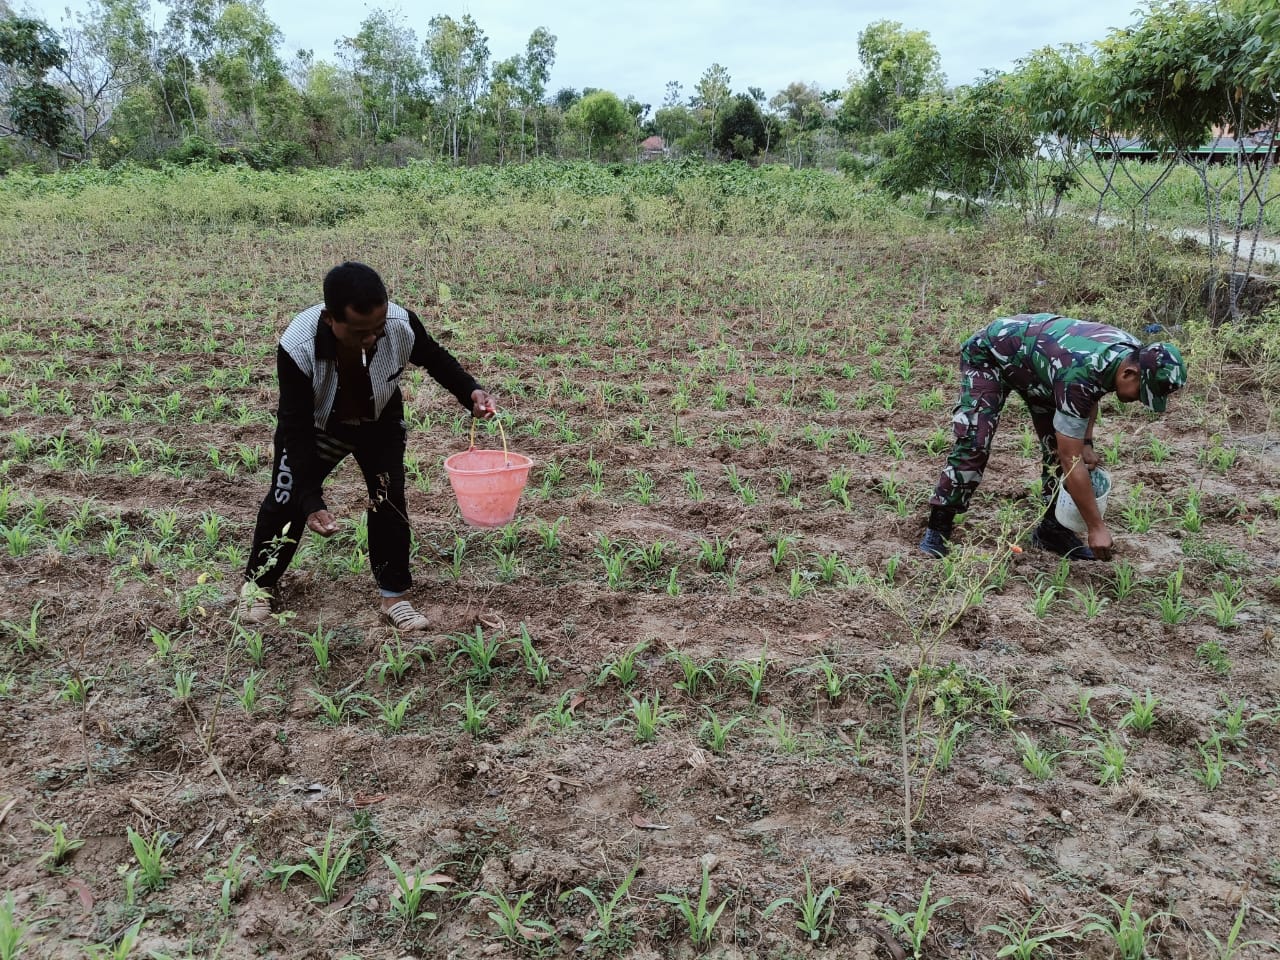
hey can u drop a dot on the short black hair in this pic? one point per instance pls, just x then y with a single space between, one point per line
355 285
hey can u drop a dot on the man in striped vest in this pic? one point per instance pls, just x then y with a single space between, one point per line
339 364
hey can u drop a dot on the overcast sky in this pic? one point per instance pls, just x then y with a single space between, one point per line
635 48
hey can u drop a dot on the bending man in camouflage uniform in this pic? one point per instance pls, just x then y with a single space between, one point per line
1061 368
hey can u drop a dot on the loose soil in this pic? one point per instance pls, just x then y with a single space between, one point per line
775 358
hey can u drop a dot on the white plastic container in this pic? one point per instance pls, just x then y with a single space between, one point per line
1067 513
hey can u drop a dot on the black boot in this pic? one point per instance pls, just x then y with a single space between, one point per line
1054 537
936 541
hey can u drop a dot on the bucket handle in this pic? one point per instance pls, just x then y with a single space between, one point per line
506 455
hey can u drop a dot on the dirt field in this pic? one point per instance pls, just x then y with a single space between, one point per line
780 405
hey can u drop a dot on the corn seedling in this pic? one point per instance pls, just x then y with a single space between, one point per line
1123 579
337 710
1039 763
248 696
481 652
230 878
1022 943
623 668
1224 607
912 926
26 633
1043 598
1229 723
396 661
700 919
153 872
319 641
817 910
560 716
1091 602
1172 607
1233 947
63 846
474 712
752 674
1213 655
692 673
713 556
832 684
183 684
122 947
782 731
716 734
605 910
324 868
516 929
648 715
1129 933
392 712
12 930
782 549
1141 715
412 887
1108 757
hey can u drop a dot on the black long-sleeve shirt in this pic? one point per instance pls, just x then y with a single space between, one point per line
306 364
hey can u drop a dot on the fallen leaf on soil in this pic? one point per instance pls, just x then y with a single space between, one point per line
431 879
644 823
577 701
529 933
341 902
83 892
7 807
367 799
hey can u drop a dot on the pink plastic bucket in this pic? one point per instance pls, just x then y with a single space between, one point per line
487 484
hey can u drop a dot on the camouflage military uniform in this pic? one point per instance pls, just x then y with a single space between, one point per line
1059 366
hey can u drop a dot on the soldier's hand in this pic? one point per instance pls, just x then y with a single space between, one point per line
323 523
1100 542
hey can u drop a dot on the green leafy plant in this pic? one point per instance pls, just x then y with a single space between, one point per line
63 846
480 651
752 674
714 733
474 712
1023 944
1130 934
1141 715
230 878
699 917
622 668
154 873
603 930
324 868
512 926
912 925
12 930
412 887
817 910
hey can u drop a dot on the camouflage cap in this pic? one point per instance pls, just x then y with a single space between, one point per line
1163 371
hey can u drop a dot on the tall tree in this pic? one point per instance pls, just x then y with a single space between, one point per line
740 133
539 57
898 66
603 123
108 47
457 54
710 95
33 108
387 68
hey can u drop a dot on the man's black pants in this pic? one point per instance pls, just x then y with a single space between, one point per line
379 452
